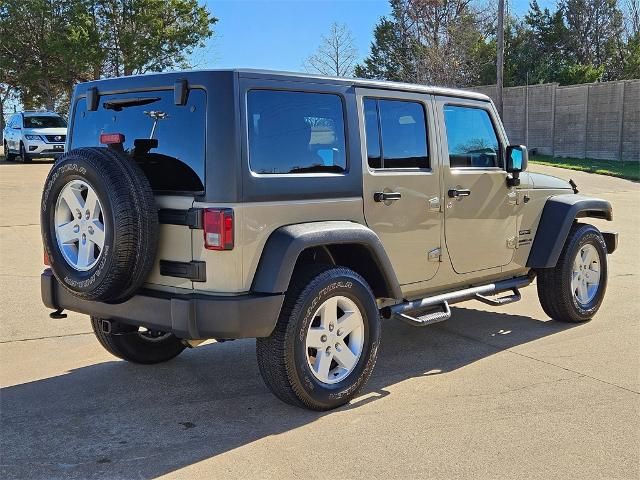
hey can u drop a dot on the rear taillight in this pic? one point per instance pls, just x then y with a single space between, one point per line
218 228
111 138
46 259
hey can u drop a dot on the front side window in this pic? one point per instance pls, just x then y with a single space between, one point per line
295 132
471 138
396 134
48 121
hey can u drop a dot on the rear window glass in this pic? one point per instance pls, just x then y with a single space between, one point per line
177 161
44 122
295 132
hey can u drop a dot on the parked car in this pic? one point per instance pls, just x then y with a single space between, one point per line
301 210
34 134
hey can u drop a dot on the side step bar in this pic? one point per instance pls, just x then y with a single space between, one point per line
443 300
428 318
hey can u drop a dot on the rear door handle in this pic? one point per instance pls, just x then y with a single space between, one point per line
459 192
386 196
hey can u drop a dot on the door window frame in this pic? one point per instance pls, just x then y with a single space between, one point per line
381 138
502 142
423 99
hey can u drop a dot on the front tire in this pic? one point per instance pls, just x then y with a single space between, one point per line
133 345
24 156
325 343
573 290
7 154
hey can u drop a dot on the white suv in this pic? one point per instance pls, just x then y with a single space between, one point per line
34 134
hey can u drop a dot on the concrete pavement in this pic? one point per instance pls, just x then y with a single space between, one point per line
491 393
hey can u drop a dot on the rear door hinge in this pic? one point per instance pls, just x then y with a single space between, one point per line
435 255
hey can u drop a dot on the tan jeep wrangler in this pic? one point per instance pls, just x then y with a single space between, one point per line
301 210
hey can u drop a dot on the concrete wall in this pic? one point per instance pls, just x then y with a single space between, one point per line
597 120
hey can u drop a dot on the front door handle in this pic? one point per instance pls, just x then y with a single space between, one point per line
386 196
459 192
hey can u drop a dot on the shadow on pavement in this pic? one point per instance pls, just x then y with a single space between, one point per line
119 420
39 161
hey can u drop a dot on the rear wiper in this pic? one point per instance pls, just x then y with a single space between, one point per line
121 103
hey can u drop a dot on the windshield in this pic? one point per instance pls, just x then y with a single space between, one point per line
44 122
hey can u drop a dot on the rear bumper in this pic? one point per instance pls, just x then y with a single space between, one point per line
191 316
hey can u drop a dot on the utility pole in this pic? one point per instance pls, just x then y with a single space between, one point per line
500 59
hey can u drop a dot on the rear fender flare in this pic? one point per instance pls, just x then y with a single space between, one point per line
284 246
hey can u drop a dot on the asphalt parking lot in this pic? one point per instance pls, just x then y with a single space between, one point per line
491 393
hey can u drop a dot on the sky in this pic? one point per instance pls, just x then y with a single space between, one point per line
281 34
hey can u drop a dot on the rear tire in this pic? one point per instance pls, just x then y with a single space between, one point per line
573 290
315 312
138 347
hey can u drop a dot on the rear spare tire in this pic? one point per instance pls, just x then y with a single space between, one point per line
99 224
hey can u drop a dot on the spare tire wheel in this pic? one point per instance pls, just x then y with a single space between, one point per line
99 224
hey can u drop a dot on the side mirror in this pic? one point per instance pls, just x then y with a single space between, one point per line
517 160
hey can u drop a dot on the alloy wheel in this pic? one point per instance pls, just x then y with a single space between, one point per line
585 279
335 339
79 225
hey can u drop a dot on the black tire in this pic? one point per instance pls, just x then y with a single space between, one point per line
137 347
24 156
9 157
282 357
555 284
130 219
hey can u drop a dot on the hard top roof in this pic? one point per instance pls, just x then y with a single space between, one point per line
361 82
301 77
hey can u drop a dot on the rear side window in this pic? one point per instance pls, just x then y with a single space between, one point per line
295 132
177 161
396 134
472 140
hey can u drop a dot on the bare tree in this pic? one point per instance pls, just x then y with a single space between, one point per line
633 18
336 55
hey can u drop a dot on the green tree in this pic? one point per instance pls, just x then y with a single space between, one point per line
596 39
429 41
151 35
53 44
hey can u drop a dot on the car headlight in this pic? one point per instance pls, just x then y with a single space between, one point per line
32 137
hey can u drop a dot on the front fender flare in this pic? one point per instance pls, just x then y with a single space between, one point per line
558 215
285 244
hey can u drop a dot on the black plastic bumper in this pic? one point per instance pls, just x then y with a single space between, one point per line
190 316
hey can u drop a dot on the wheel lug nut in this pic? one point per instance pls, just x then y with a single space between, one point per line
337 346
339 332
328 349
84 238
87 215
331 327
323 338
76 229
90 229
